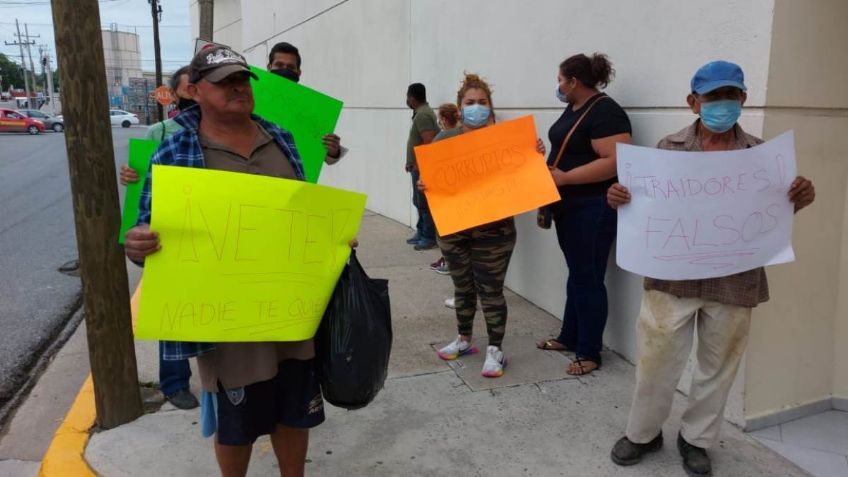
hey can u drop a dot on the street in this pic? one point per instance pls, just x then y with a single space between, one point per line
37 237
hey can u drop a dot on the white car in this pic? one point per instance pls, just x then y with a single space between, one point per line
122 118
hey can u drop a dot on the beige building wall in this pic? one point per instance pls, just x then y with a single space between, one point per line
367 52
228 30
796 355
840 334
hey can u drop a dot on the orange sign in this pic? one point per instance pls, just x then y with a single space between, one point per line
164 95
485 175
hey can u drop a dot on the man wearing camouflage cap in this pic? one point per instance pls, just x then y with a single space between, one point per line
249 389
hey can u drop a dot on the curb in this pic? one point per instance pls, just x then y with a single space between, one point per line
66 454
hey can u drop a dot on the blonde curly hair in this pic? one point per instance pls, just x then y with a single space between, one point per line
449 115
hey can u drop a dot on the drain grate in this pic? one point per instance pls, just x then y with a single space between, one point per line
70 268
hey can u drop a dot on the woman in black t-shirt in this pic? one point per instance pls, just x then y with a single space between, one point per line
585 224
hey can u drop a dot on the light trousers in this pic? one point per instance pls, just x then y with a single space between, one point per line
665 333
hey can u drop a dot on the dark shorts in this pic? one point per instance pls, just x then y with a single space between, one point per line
292 398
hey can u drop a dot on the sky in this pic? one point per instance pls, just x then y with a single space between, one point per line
130 15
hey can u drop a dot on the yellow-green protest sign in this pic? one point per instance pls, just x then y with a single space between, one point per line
244 257
306 113
140 152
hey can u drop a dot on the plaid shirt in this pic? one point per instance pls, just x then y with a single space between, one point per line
742 289
183 149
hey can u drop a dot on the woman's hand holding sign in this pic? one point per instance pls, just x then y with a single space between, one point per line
617 195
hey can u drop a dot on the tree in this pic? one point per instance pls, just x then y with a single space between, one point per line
91 161
11 73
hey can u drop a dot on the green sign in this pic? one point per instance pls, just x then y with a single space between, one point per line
307 114
141 151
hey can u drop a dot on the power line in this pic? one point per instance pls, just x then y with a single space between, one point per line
105 26
41 2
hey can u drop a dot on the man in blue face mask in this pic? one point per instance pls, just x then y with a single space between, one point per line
718 310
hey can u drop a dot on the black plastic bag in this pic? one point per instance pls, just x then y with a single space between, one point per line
354 341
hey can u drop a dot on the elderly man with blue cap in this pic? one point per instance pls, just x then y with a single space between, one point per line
717 309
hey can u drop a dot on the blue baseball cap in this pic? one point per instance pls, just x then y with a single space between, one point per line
717 74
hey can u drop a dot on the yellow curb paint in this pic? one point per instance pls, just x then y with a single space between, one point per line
66 454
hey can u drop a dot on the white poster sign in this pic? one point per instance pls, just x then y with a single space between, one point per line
705 214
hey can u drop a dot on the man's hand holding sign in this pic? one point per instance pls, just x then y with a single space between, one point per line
309 115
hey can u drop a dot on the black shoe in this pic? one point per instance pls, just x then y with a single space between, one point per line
626 452
183 399
413 240
425 244
696 462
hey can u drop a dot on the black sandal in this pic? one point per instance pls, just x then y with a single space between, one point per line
553 344
582 367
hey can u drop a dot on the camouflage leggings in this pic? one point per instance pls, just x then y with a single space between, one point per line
477 259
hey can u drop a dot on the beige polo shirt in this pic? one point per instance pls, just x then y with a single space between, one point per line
239 364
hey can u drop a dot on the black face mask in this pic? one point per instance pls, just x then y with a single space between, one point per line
183 104
287 73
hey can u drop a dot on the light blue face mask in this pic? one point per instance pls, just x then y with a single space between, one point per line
720 116
560 96
475 115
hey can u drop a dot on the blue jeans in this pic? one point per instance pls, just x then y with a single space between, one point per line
586 228
425 227
173 375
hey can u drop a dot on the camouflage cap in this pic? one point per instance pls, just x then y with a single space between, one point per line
216 63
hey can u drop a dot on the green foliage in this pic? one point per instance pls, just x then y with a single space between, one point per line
11 73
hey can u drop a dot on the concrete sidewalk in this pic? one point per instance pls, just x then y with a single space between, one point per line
438 419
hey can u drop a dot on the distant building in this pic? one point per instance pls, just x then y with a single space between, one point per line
130 88
122 55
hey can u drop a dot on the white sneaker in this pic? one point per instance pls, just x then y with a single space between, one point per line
451 303
456 349
495 363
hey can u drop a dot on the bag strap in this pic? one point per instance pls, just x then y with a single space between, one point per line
574 128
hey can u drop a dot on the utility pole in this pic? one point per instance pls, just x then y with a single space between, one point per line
48 73
21 44
207 16
31 64
146 102
156 11
91 160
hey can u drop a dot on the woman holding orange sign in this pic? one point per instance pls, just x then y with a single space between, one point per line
478 257
582 162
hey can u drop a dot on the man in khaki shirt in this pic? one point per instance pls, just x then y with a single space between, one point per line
252 388
717 309
424 128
